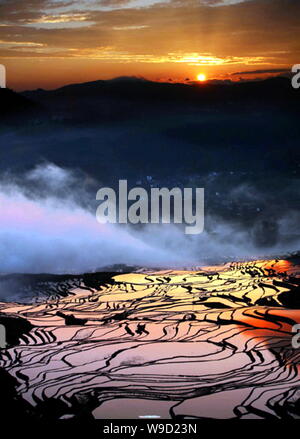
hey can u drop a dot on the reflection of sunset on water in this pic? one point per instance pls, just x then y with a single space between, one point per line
209 343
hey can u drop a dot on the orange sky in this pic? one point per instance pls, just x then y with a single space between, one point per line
49 43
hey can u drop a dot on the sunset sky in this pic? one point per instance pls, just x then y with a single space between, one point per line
49 43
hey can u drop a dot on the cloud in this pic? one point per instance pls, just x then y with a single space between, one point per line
61 21
261 72
133 27
192 59
217 3
44 227
48 224
12 44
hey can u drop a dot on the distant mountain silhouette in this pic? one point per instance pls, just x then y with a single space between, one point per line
126 98
113 99
15 104
140 89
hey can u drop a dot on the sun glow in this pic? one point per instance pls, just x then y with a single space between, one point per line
201 77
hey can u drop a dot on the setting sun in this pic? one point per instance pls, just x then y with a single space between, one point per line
201 77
